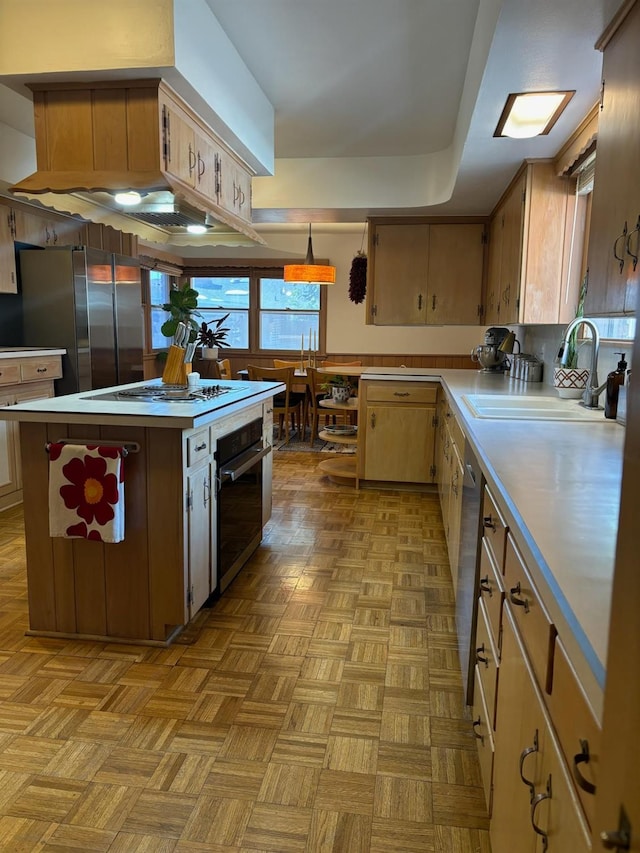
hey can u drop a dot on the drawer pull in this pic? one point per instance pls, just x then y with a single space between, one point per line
525 752
485 585
489 523
475 723
519 602
539 798
479 656
400 393
200 446
583 757
41 369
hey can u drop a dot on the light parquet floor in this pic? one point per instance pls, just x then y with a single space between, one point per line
317 707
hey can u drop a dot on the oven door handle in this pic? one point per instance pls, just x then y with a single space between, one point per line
231 472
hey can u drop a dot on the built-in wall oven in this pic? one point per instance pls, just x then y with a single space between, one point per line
239 458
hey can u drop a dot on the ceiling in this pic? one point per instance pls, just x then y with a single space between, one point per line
389 106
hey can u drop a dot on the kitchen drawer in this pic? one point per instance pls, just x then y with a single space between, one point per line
401 392
198 446
34 369
536 628
9 373
491 591
486 657
483 732
495 528
576 727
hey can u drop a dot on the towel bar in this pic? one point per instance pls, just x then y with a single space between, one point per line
127 446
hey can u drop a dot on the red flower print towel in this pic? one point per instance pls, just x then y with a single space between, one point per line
86 492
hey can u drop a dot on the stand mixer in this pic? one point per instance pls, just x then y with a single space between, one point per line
488 354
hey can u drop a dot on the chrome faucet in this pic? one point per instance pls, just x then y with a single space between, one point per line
592 391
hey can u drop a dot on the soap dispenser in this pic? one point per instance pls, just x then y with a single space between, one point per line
614 380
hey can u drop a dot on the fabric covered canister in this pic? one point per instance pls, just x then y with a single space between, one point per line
86 492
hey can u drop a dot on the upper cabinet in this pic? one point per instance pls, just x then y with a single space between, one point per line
530 279
614 242
139 135
422 272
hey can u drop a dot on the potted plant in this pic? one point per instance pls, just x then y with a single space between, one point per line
338 388
212 335
569 380
182 305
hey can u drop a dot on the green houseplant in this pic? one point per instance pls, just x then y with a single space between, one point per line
212 335
182 307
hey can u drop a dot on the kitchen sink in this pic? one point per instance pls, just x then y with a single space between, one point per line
530 408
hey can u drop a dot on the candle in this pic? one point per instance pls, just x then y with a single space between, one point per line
301 349
315 341
309 340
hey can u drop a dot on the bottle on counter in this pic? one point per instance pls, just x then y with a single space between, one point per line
614 380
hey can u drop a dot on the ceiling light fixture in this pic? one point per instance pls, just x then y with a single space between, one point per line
197 229
528 114
309 272
128 199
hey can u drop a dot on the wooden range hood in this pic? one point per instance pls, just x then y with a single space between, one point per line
96 139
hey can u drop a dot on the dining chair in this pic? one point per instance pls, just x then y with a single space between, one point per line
224 366
279 362
340 364
286 405
312 403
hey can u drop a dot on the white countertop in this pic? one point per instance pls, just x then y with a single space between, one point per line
560 483
29 352
87 407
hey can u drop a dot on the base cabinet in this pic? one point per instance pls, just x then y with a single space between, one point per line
527 698
397 426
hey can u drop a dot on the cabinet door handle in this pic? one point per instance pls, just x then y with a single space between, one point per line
419 302
525 752
615 247
485 586
201 166
475 723
192 159
480 656
433 302
628 244
206 491
539 798
583 757
488 523
519 602
373 420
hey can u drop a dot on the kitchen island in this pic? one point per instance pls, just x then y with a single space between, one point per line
147 587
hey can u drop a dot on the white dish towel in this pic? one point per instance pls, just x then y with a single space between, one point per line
86 492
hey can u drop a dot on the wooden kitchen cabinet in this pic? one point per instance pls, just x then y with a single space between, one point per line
21 380
529 249
520 665
533 797
139 134
449 456
424 273
614 238
8 276
397 426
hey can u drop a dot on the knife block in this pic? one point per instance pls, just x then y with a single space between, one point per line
176 370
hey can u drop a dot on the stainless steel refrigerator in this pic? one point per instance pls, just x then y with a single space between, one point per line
90 303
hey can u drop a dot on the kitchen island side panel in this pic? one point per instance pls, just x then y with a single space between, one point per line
168 561
126 575
41 580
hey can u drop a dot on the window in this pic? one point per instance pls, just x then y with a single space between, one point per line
159 285
289 315
264 313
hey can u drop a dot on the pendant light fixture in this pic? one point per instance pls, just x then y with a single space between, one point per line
309 272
